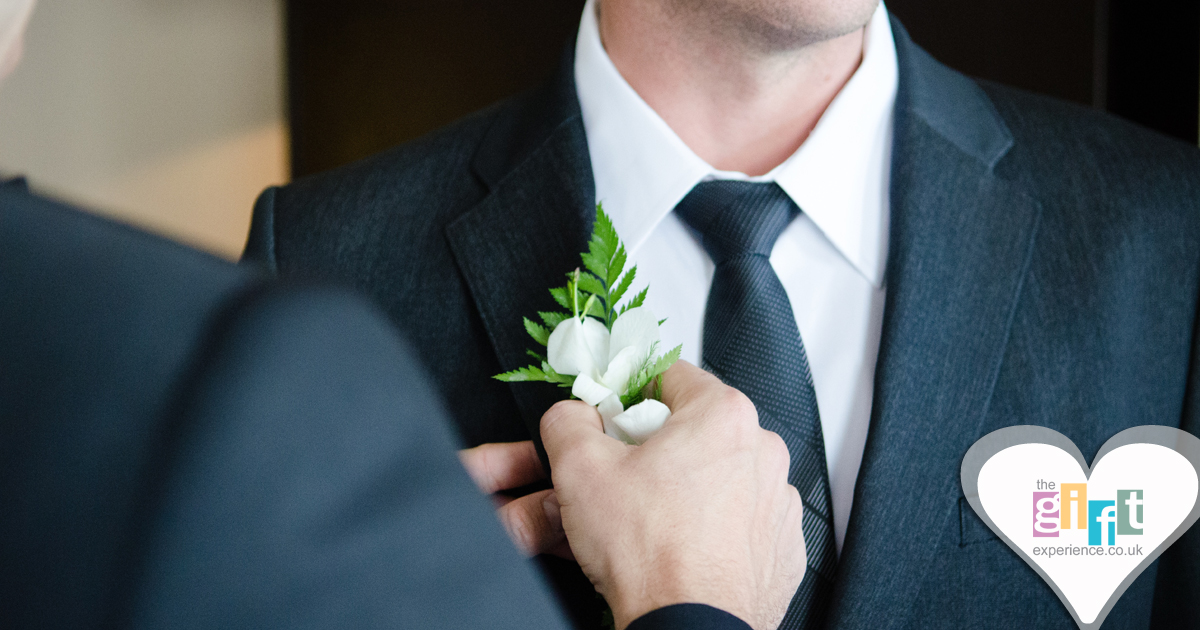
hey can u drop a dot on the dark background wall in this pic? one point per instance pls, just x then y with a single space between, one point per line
1134 58
365 75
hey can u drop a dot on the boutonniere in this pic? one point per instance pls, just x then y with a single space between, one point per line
606 352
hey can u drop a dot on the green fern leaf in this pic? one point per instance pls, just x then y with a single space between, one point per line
553 319
539 333
616 267
561 296
637 301
555 377
622 286
594 261
522 375
605 235
591 284
665 362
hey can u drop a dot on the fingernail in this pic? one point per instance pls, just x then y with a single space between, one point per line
553 511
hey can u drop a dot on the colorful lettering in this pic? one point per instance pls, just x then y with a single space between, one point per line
1045 514
1103 513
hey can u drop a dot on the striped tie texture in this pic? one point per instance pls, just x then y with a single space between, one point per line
752 343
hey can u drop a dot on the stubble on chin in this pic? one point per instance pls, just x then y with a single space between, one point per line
772 26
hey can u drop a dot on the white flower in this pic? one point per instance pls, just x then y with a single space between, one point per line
640 421
604 364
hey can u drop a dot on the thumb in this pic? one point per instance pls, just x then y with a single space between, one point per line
685 383
571 426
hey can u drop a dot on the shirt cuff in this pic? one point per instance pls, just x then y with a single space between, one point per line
688 617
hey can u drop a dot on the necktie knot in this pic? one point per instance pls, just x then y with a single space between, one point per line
737 218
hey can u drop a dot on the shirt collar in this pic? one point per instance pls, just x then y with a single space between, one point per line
838 177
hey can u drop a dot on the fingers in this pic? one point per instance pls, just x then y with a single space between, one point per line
572 425
684 382
708 405
534 523
496 467
554 516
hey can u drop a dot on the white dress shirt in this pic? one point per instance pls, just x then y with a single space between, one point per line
830 259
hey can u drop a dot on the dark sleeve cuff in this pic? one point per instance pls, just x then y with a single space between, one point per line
688 617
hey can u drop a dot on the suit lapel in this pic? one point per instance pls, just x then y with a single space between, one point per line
961 239
521 239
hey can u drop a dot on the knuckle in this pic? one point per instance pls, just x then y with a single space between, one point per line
570 459
484 471
556 415
794 497
575 465
482 467
795 503
776 450
737 415
520 525
579 459
471 460
737 404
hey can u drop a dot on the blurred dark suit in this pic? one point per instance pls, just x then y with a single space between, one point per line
184 446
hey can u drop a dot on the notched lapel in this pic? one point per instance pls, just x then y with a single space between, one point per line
520 241
961 240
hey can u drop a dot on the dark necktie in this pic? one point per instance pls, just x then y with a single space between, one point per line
752 343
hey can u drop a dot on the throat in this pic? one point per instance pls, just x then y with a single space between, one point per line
738 108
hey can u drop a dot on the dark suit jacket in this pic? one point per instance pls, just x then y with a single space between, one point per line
184 446
1043 269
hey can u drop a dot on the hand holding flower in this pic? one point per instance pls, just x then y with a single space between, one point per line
702 512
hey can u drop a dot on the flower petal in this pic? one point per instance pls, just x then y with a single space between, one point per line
610 408
577 347
621 368
636 328
642 420
589 391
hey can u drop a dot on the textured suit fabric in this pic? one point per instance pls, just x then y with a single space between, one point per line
184 447
752 342
1044 268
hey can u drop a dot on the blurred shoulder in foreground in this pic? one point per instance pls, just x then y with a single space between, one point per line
184 444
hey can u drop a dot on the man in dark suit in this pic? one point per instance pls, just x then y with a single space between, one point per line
1041 265
184 444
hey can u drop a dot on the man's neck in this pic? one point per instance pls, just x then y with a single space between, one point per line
739 105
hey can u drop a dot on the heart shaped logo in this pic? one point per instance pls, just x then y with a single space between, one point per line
1089 532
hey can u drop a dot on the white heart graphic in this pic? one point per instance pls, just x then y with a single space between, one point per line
1141 495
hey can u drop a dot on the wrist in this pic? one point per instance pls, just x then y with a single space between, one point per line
674 585
628 606
632 599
